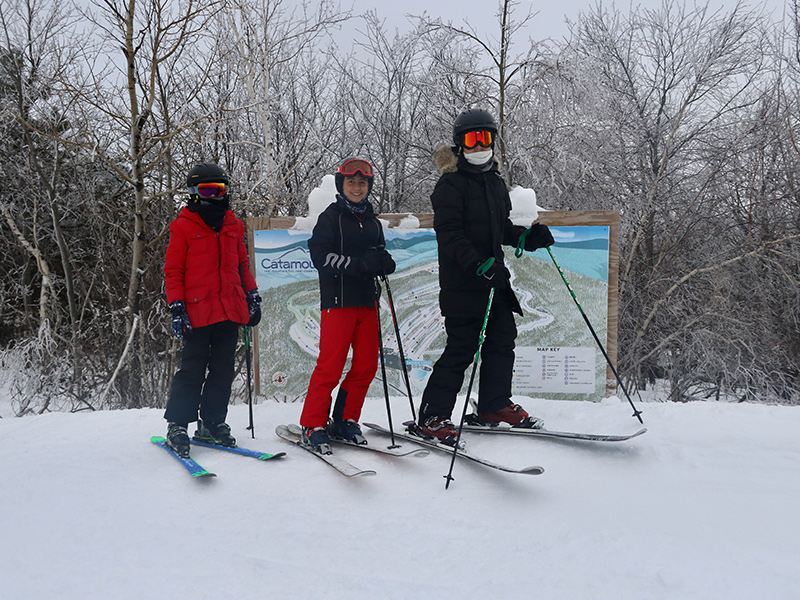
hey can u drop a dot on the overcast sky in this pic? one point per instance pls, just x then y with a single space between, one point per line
548 23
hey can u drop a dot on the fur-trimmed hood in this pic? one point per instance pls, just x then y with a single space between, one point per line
445 158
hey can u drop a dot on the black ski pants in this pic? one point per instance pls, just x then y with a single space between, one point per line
204 380
496 362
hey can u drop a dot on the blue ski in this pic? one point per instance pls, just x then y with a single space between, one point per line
195 470
238 450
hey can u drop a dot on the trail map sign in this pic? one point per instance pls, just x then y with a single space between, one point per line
556 356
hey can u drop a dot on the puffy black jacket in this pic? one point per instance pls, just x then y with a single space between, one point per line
340 238
471 218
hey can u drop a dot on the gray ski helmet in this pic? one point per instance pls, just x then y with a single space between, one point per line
205 172
473 119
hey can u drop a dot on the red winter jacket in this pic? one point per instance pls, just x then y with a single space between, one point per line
209 271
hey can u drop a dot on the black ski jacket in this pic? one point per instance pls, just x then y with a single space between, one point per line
471 218
339 240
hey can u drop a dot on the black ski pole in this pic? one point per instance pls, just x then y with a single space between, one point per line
383 362
483 268
636 413
251 427
403 365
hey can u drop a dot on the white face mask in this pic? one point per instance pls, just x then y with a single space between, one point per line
479 158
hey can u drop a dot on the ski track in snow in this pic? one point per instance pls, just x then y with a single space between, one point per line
700 507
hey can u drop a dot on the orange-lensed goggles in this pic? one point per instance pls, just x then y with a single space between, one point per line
351 166
473 138
215 189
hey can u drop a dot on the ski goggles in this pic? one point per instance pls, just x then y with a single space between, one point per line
214 189
351 166
473 138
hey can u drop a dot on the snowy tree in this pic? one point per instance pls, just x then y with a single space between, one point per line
672 87
274 97
507 75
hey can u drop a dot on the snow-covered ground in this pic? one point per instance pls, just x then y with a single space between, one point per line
703 506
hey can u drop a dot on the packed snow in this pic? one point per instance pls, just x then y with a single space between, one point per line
524 208
702 506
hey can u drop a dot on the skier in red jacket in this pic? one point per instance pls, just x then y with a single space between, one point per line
210 292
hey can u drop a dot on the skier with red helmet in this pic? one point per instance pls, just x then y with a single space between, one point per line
347 248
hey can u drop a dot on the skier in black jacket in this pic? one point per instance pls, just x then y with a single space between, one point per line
347 248
471 217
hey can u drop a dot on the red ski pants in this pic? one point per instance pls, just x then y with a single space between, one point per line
341 328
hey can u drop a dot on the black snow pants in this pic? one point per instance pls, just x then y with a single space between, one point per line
204 380
496 362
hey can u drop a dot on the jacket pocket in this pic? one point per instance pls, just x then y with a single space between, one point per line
239 291
195 295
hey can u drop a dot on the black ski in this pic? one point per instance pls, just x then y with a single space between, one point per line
341 465
463 454
471 424
418 452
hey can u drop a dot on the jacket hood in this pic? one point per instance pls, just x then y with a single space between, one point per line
446 159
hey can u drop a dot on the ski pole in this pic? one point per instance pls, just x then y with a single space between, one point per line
481 270
383 362
636 413
399 344
251 427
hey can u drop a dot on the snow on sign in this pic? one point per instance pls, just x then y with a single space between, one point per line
556 356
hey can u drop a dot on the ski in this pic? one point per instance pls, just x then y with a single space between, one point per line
418 452
195 470
565 435
341 465
463 454
238 450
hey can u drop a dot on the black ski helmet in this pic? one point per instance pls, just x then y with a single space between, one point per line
204 173
473 119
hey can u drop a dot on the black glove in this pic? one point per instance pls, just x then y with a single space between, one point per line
387 263
181 327
370 263
538 236
254 306
496 276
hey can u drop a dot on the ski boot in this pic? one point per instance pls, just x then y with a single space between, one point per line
178 439
218 434
513 414
317 439
438 428
346 430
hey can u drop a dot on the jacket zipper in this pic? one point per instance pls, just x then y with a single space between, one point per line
336 300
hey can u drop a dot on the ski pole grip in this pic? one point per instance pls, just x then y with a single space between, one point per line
486 265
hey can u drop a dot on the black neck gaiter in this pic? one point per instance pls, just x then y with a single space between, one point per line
212 212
